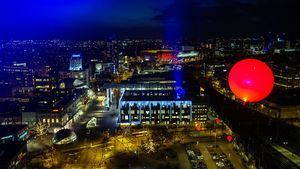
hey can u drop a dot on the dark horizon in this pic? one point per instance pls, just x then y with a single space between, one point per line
169 20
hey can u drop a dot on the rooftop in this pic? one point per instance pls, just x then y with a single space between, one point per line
8 151
6 130
154 95
284 98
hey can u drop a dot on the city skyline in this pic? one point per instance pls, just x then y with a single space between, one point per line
169 84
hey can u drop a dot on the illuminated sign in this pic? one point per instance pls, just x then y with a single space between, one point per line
76 56
189 54
7 137
23 135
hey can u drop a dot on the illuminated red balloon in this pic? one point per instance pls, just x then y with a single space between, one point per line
229 138
251 80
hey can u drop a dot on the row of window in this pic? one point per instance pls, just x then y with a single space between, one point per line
155 112
42 80
165 122
50 120
126 117
200 119
156 106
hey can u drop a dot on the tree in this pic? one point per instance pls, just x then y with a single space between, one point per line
41 128
161 135
149 146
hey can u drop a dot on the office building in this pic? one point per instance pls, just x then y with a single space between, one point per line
76 62
154 107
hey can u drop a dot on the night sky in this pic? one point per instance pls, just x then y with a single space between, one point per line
167 19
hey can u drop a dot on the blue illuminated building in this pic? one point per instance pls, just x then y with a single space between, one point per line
154 107
75 62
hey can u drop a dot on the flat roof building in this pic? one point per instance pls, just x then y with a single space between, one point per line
13 155
154 107
75 62
9 133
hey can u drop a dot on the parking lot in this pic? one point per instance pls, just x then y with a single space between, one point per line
219 157
195 157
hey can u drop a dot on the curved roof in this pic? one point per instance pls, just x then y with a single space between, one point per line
70 83
64 136
66 83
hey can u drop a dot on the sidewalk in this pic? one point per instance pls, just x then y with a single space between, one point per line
183 158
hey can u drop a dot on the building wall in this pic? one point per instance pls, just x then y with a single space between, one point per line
290 112
287 81
199 112
20 135
155 112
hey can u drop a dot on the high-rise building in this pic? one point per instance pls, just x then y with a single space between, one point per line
75 62
17 74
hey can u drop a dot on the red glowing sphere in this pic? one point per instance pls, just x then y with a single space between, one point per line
251 80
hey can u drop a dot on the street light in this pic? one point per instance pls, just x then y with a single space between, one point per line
216 139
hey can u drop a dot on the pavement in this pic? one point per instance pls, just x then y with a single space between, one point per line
182 157
98 155
227 148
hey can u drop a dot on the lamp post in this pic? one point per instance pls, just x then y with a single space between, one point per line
216 139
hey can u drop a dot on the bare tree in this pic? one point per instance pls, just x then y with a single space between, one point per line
149 146
41 128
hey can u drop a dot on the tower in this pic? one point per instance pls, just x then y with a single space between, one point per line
75 62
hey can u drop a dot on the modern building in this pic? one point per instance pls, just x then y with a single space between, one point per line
199 108
10 133
75 63
62 114
154 107
79 76
64 136
115 90
100 68
13 155
287 77
161 56
16 74
10 113
58 111
43 84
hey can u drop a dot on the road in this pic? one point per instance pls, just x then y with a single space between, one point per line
232 155
291 156
207 158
